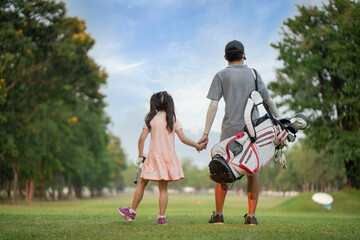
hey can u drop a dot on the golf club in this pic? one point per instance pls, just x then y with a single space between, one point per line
137 170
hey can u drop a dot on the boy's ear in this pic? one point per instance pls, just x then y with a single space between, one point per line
225 57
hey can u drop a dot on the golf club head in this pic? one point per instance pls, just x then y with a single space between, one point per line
301 121
284 122
292 128
291 138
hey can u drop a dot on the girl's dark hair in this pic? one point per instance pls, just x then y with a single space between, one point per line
162 101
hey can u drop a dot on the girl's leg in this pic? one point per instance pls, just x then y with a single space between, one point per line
139 193
220 195
252 192
163 198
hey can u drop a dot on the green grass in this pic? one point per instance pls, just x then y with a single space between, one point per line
279 218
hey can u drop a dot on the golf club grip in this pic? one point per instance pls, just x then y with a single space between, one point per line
137 173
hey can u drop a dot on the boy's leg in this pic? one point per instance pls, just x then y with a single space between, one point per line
139 193
220 195
252 192
163 198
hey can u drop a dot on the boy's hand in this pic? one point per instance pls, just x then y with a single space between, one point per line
204 139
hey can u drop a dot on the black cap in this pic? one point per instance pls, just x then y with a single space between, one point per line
235 46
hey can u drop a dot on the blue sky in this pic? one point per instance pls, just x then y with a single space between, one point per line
147 46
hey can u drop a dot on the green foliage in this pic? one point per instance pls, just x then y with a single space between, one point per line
320 51
117 162
345 202
194 177
305 172
52 119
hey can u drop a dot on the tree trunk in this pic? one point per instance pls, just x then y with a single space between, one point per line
8 189
60 189
60 193
352 174
32 187
16 170
52 194
78 192
27 190
43 191
69 188
322 185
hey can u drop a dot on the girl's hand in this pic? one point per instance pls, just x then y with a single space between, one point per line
139 160
201 146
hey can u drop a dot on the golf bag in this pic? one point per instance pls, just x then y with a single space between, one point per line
248 151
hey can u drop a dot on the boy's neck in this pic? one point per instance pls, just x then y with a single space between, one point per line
236 62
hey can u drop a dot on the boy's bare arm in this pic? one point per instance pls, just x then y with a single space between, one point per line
210 116
273 108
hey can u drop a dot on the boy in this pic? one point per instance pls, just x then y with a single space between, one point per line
235 83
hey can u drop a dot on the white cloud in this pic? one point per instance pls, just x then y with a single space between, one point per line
115 65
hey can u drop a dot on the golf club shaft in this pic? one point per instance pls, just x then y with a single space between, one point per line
137 173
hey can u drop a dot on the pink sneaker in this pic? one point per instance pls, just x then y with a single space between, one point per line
125 213
162 221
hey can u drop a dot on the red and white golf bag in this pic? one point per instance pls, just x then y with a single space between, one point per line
248 151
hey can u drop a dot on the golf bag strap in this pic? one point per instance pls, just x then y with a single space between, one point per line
249 125
255 78
273 119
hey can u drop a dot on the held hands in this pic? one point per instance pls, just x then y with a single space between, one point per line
204 140
201 146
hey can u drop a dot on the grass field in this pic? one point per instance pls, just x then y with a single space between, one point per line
279 218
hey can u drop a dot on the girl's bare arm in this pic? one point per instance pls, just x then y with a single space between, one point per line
188 141
141 141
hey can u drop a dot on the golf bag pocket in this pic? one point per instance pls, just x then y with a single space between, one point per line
235 147
246 163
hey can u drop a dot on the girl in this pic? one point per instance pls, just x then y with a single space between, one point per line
162 164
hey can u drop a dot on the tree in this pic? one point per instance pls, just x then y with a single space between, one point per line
52 119
118 156
320 51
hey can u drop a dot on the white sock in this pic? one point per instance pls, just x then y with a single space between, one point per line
161 216
131 210
218 213
251 215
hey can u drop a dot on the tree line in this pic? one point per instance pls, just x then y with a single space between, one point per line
305 172
53 128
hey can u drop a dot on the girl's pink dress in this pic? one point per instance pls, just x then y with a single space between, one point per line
161 162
